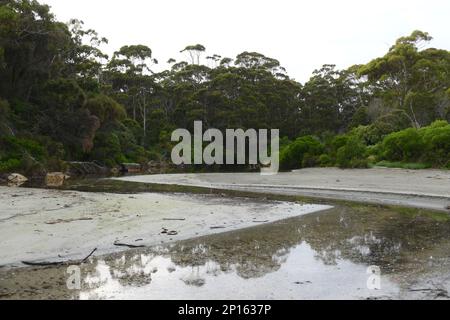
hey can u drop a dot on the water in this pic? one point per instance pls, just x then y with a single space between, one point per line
323 255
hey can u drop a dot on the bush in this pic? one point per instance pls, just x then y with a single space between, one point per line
325 160
292 156
352 154
14 147
309 161
436 139
405 145
9 165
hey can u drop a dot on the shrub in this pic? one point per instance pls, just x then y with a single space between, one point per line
309 161
325 160
9 165
352 154
292 156
405 145
436 139
14 147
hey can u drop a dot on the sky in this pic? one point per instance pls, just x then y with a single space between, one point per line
302 35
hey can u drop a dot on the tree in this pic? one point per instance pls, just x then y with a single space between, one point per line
410 79
194 52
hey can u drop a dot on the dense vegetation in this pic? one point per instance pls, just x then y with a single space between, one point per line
62 99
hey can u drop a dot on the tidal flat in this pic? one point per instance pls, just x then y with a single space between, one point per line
322 252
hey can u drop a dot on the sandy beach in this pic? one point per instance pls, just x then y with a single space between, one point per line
429 189
51 225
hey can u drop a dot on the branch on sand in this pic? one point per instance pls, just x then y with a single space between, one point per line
59 263
118 244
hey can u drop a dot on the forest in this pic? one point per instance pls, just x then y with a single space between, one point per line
62 99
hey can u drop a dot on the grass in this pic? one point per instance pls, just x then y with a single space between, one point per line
403 165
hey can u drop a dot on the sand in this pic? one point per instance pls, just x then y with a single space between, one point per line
428 189
52 225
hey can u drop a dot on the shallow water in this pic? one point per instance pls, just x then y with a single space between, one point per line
323 255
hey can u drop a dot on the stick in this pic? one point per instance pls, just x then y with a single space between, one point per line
59 263
128 245
89 255
43 264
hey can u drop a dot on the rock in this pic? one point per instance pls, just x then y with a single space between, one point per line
55 179
130 168
115 170
16 179
156 167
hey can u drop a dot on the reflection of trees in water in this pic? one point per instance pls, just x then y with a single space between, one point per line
377 236
366 235
131 268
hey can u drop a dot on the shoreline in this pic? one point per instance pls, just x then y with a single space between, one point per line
41 225
375 186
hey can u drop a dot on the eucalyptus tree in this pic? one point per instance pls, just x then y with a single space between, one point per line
412 79
194 52
129 74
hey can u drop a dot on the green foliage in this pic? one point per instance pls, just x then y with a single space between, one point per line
9 165
427 145
436 138
62 98
352 154
300 152
106 109
325 160
406 145
13 147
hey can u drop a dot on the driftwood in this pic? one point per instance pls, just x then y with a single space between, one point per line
174 219
118 244
59 263
44 264
68 220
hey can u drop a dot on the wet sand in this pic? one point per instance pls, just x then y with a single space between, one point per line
324 255
197 246
415 188
52 225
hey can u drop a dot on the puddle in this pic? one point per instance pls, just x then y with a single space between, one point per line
323 255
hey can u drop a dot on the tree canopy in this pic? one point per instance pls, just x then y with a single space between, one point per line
60 92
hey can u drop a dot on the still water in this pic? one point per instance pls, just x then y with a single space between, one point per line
324 255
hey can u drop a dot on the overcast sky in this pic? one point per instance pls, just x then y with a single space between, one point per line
302 35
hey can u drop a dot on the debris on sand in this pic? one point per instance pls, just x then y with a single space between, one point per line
169 233
131 246
59 263
68 220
